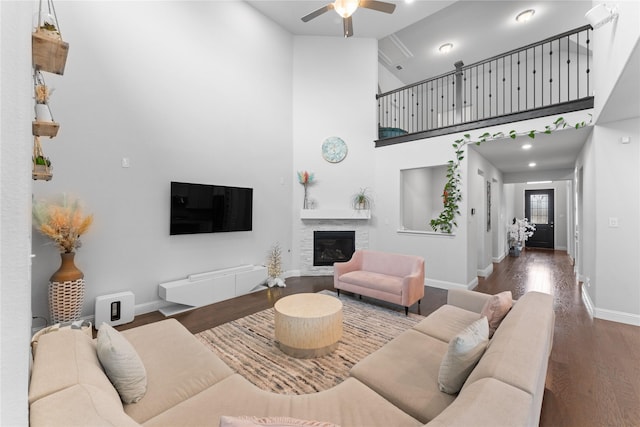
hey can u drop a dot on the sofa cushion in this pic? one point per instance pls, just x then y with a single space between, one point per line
376 281
446 322
391 264
465 349
122 364
405 372
178 367
487 402
496 308
226 421
350 403
64 359
80 405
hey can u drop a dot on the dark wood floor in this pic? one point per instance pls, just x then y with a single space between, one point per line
594 370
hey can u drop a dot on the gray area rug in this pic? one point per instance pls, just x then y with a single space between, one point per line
247 345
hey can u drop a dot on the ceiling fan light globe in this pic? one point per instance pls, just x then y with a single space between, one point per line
345 8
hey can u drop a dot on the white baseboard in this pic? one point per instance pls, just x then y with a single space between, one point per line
560 248
149 307
472 284
618 316
485 272
441 284
499 259
587 301
606 314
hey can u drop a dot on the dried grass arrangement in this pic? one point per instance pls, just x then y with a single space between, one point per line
63 221
44 125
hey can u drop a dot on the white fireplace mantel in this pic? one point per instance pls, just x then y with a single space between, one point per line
342 214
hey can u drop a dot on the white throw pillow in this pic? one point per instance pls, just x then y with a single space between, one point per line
465 349
122 364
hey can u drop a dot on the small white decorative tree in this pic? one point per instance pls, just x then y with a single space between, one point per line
274 267
519 232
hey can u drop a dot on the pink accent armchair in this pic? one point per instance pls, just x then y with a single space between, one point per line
390 277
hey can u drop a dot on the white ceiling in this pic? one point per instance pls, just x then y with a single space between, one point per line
478 30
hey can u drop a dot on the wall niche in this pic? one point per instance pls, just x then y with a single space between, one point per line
421 196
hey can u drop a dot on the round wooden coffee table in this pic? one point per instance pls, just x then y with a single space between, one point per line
308 325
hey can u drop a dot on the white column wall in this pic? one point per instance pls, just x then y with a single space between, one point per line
16 142
334 85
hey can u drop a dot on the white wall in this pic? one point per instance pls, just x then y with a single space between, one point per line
612 45
334 86
482 171
15 210
187 94
617 278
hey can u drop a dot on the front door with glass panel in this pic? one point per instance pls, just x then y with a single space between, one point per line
538 207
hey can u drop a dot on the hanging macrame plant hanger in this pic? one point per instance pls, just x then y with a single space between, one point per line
49 51
44 124
41 164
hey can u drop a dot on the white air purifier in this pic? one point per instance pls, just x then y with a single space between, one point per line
115 309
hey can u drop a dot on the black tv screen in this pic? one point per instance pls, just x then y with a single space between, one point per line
200 208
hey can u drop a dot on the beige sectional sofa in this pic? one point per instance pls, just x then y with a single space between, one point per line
187 385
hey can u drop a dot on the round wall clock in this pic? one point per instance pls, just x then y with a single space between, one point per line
334 149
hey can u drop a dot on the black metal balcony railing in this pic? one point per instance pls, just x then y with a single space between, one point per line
540 79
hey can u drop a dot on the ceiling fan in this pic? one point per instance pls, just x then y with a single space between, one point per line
346 8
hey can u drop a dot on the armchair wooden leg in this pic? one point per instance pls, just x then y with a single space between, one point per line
338 291
406 311
419 301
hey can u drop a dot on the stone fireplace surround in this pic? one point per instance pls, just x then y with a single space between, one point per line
317 221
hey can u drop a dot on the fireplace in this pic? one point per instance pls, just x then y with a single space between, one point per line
333 246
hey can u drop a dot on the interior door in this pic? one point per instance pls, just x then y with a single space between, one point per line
538 208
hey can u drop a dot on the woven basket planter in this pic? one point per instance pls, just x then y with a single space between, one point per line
66 291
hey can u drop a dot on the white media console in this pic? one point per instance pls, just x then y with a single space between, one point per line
201 289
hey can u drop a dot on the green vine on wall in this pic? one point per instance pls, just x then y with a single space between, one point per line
452 193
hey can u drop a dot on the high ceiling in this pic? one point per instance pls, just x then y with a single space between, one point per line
410 37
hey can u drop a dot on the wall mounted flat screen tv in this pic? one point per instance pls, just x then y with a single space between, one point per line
200 208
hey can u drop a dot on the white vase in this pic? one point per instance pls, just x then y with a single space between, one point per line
43 114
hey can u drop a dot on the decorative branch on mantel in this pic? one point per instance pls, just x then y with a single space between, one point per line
452 193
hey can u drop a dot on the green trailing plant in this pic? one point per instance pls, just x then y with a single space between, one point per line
362 200
41 160
452 193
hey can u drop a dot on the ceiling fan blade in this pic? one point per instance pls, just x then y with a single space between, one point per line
317 13
380 6
348 26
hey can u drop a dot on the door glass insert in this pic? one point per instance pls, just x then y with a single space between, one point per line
539 208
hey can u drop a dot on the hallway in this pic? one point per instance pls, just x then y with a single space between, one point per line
594 370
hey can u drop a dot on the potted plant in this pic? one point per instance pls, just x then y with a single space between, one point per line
519 232
361 200
41 164
49 51
63 221
44 125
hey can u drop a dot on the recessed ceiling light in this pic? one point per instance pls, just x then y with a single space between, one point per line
446 48
525 15
532 165
526 146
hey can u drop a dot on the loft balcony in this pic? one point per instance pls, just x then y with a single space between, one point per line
544 78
